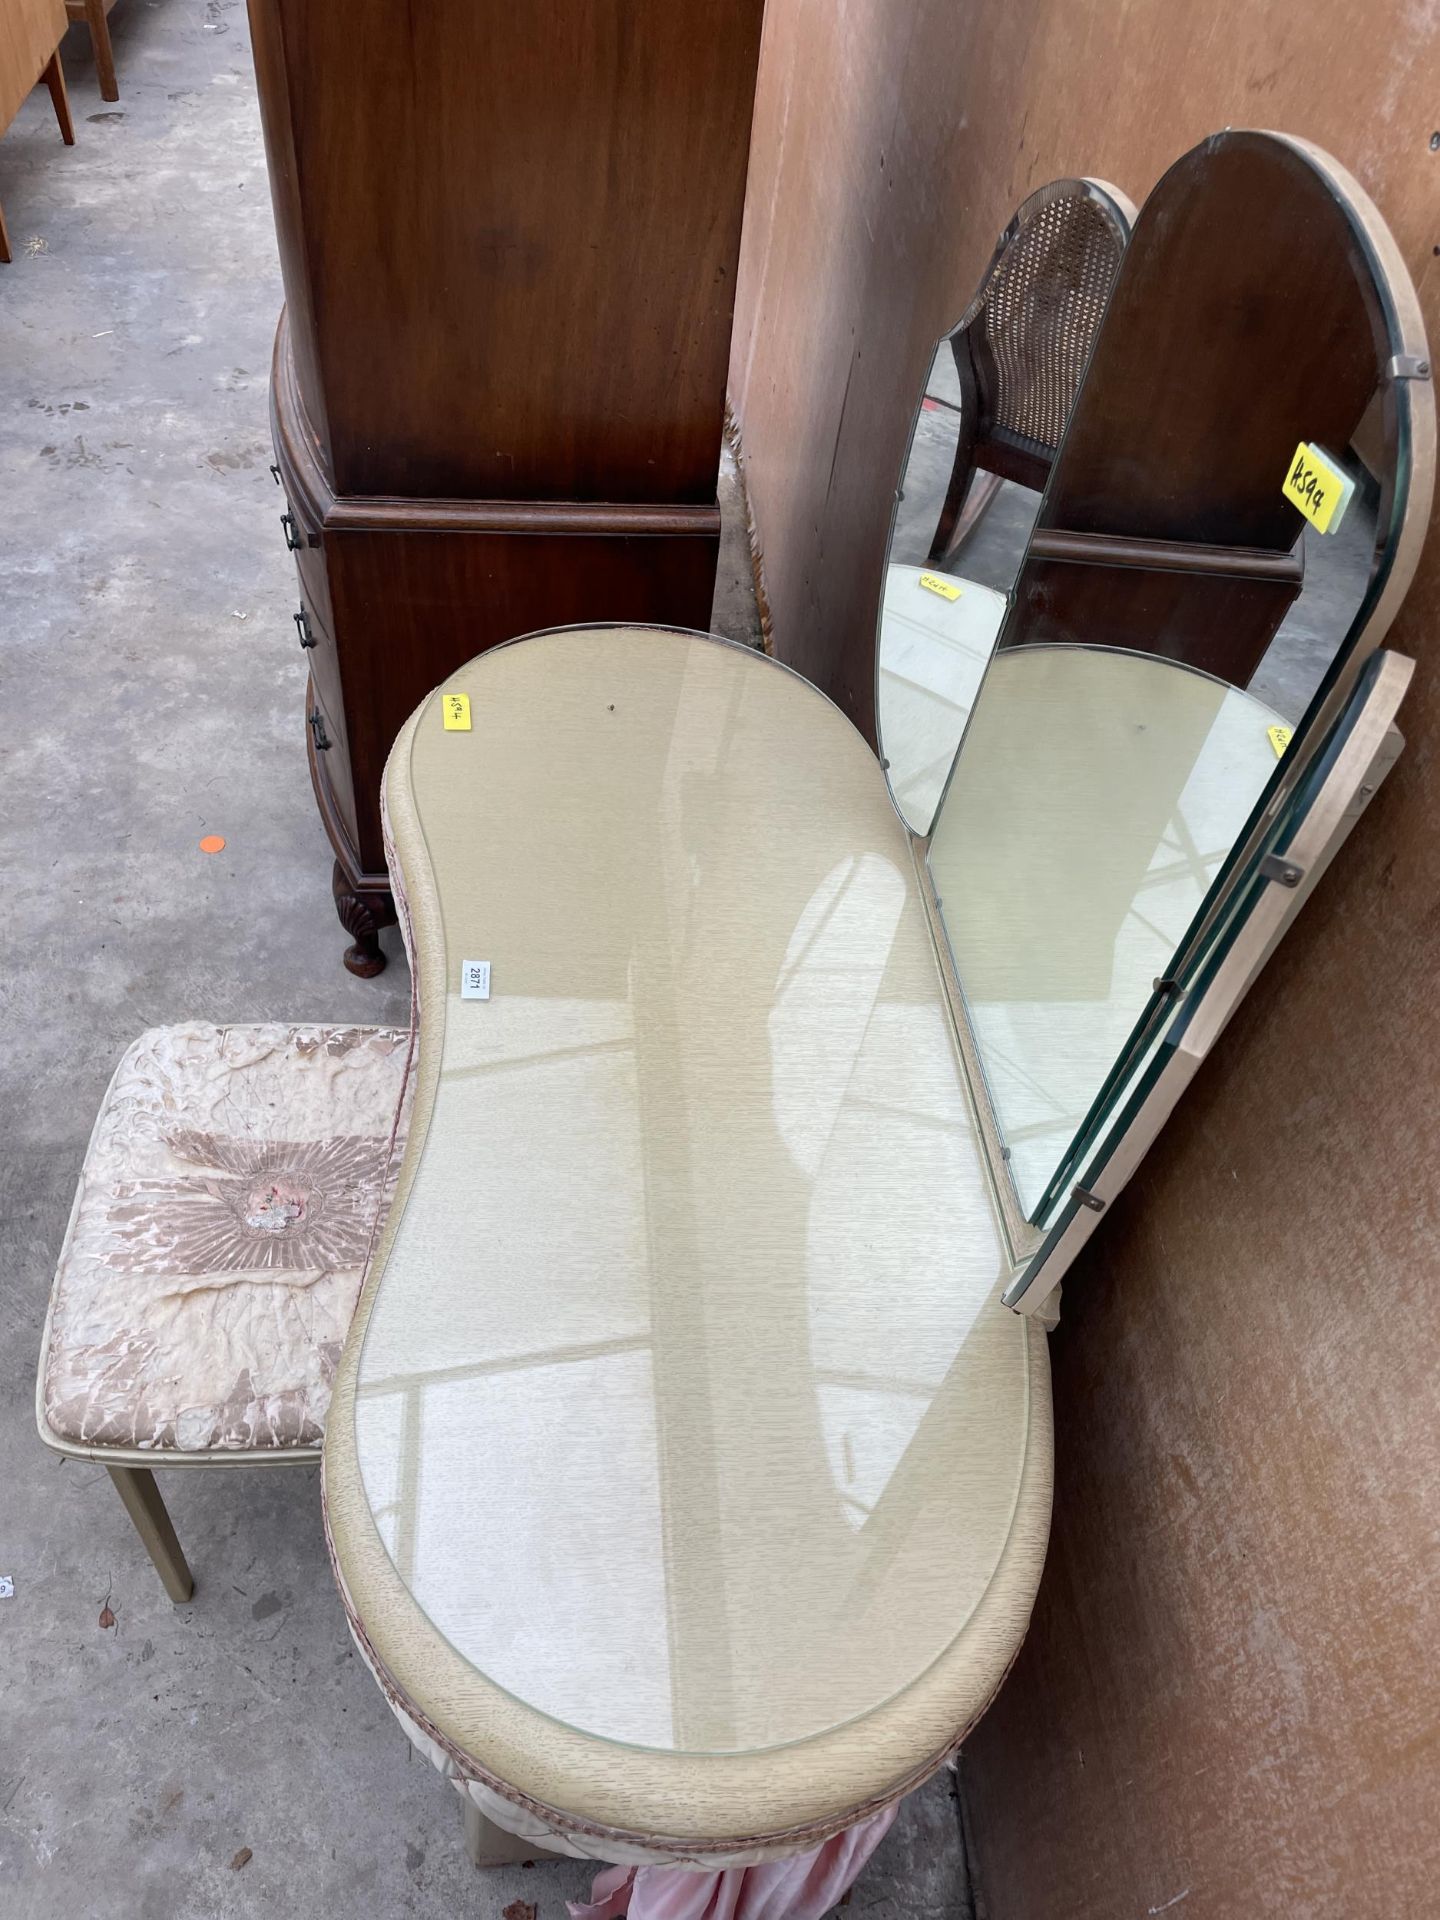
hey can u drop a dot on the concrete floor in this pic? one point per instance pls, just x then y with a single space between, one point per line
152 694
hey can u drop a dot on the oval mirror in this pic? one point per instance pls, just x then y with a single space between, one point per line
1224 532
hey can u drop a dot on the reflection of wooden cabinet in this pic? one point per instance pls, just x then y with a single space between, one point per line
508 237
30 36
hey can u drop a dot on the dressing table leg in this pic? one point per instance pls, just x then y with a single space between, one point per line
491 1846
141 1498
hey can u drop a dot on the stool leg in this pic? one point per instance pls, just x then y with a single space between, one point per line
141 1498
491 1846
5 254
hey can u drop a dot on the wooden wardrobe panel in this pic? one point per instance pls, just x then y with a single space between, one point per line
273 83
520 226
508 235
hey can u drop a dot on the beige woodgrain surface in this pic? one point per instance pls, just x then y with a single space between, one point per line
1228 1702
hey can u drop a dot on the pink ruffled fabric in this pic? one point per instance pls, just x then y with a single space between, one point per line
804 1887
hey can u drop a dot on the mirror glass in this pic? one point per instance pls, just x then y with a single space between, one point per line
1315 817
1093 708
996 399
1065 897
940 618
1098 795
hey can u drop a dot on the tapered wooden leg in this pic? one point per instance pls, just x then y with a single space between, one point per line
5 254
99 27
141 1497
54 78
491 1846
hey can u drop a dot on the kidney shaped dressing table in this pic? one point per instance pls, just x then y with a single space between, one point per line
686 1431
688 1474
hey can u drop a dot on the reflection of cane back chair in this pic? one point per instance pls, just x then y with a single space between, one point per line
1021 348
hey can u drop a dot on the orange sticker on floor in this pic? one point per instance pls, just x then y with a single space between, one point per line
212 843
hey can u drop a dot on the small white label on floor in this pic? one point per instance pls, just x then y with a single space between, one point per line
475 980
7 1587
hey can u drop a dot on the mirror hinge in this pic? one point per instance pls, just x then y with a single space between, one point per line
1088 1199
1274 866
1408 366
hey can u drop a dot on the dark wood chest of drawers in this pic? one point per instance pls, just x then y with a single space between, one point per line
508 238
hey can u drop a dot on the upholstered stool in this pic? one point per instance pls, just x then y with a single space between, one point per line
214 1254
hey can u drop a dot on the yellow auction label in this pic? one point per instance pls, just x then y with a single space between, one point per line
456 709
1279 738
1318 487
936 583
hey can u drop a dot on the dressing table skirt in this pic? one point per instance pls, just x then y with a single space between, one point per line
760 1883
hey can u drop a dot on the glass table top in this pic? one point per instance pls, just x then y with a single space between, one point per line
687 1410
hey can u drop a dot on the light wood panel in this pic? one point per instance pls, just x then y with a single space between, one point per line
30 31
1228 1701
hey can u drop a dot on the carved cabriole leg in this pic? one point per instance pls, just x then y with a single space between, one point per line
362 915
141 1497
491 1846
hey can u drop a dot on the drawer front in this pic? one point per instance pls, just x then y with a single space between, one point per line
306 542
314 586
317 642
330 771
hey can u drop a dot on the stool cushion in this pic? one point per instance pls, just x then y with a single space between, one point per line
218 1237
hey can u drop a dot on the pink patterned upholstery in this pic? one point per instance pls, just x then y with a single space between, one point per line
219 1233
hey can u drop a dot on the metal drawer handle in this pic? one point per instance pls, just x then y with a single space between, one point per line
317 727
292 538
302 627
